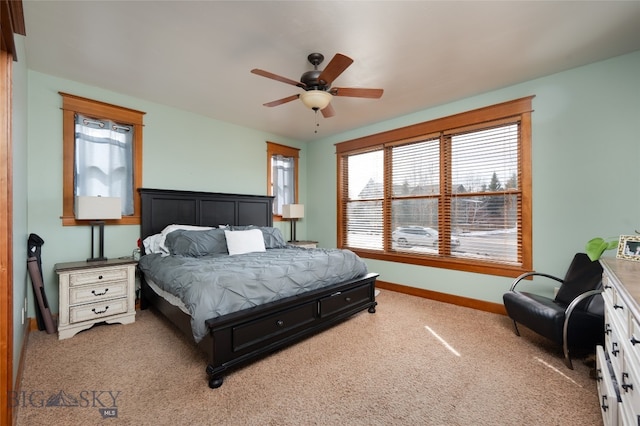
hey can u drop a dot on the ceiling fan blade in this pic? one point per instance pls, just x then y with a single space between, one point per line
328 111
282 101
338 64
356 92
276 77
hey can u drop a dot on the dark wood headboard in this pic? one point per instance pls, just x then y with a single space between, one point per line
162 207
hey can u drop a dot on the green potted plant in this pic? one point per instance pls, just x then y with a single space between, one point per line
596 246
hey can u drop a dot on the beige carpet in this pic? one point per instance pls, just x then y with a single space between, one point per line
386 368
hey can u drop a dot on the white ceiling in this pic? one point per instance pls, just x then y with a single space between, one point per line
196 55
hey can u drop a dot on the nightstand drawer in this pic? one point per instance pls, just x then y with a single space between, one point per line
97 310
95 293
95 276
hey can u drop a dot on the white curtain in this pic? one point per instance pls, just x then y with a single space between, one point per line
104 160
283 181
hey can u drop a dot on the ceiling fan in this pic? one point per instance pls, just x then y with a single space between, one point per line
316 84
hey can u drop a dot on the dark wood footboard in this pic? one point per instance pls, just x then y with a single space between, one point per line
243 336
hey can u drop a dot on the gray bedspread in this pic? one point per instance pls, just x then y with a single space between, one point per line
215 285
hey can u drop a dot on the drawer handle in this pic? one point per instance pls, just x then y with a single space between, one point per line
607 286
347 299
599 374
100 312
280 323
634 340
626 386
99 277
100 294
614 351
607 328
618 307
604 403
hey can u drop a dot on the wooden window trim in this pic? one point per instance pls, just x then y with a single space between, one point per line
71 105
286 151
520 108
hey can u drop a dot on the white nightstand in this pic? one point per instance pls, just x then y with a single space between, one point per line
93 292
304 244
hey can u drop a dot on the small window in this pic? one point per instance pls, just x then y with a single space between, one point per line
102 155
282 176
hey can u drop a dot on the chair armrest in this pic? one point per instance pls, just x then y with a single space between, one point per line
530 274
567 317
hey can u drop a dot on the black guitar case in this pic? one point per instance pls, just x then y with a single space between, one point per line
34 265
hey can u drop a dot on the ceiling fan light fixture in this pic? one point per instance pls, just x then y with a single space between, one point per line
316 99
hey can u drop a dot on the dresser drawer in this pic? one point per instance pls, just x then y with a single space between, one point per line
93 311
627 417
94 276
609 401
341 301
620 312
634 338
95 293
614 342
629 384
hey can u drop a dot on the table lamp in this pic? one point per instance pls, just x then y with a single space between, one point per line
293 212
97 210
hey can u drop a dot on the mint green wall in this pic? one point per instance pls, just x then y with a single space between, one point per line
181 151
586 153
20 234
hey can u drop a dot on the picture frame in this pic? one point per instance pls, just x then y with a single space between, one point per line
629 247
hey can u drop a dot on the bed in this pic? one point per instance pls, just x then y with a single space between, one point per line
232 339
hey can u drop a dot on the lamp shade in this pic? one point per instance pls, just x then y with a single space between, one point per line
316 99
293 211
98 208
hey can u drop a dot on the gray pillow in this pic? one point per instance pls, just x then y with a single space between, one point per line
272 236
196 243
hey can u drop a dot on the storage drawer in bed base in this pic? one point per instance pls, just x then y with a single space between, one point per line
273 326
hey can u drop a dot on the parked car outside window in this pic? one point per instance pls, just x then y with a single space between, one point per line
407 236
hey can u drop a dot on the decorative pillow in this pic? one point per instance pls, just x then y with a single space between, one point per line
156 243
240 242
152 244
241 227
272 236
196 243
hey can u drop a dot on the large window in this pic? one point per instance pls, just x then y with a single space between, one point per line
452 193
102 155
282 176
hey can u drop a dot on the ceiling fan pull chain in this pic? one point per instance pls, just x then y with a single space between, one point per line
317 122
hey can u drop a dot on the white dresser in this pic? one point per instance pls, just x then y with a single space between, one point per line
93 292
618 362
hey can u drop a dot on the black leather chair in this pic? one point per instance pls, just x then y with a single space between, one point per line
574 318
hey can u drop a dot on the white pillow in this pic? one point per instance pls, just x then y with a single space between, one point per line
152 244
240 242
